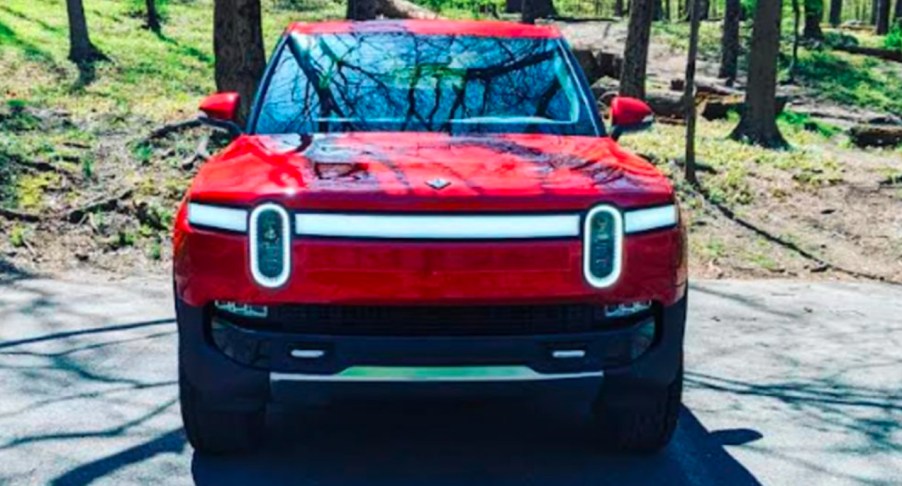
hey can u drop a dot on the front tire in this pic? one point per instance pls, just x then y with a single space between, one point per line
217 432
644 425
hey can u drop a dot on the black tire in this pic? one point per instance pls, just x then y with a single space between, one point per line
643 426
214 431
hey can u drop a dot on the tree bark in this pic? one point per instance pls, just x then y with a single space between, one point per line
793 63
898 13
729 44
659 10
876 135
814 13
759 120
618 8
689 93
362 9
883 11
153 18
635 57
536 9
513 6
835 12
238 45
81 50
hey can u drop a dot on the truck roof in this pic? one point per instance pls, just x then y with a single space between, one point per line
430 27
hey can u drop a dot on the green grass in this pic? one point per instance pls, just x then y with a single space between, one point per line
851 80
159 77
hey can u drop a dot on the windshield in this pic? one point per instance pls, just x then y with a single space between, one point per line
404 82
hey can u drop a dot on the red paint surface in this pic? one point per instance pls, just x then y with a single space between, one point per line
626 111
431 27
221 106
387 172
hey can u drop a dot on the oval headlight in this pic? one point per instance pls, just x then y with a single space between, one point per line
270 245
602 246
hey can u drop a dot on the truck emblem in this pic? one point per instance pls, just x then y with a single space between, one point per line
438 184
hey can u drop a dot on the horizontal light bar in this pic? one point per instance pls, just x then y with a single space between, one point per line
528 226
432 374
438 226
640 220
219 217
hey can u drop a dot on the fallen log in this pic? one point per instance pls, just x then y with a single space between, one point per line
711 86
402 9
876 135
666 104
19 216
719 108
885 54
588 61
106 204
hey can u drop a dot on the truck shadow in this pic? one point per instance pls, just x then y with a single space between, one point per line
467 443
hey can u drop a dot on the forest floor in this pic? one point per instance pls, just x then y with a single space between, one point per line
84 184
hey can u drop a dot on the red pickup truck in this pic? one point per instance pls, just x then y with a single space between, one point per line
428 207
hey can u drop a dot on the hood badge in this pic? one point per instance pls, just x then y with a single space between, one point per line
438 184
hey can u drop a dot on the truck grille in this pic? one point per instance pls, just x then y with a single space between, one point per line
435 320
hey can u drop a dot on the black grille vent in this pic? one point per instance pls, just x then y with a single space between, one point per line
435 320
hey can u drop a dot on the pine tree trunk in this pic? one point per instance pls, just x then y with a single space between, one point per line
362 9
80 48
689 93
618 8
153 18
759 119
513 6
729 44
795 41
635 56
814 13
536 9
659 10
883 11
835 12
898 14
238 45
875 6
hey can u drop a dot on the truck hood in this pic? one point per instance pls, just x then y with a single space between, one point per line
429 172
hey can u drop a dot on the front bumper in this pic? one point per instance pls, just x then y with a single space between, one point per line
238 368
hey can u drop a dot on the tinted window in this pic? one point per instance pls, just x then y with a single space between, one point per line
404 82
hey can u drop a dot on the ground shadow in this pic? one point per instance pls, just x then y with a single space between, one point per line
497 443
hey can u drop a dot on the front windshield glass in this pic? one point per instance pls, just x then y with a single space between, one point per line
404 82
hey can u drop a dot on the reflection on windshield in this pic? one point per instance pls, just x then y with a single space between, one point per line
405 82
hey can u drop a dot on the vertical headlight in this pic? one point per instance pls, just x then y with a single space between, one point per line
602 246
270 245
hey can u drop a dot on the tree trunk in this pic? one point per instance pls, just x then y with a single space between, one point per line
635 56
898 14
883 11
835 12
875 6
759 120
729 44
689 93
513 6
153 18
658 11
362 9
536 9
81 50
793 63
814 13
238 45
618 8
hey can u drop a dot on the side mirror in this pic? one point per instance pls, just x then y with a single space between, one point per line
221 111
629 115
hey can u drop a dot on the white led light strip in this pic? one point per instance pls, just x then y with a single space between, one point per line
220 217
640 220
431 226
425 227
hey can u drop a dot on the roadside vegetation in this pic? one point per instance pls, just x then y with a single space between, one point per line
90 174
